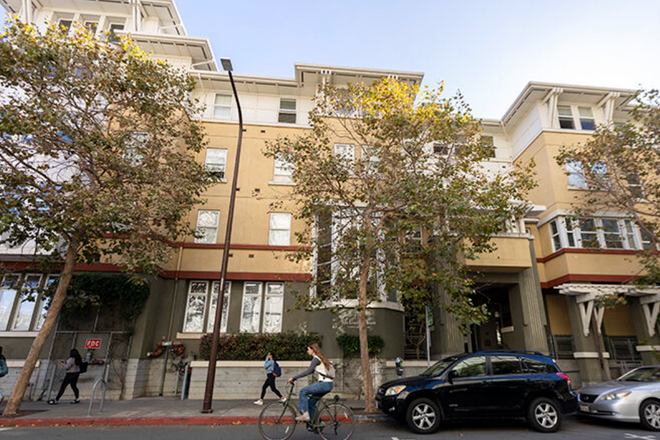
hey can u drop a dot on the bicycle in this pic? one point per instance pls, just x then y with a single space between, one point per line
332 420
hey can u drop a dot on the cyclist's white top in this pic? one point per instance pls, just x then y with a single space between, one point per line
322 372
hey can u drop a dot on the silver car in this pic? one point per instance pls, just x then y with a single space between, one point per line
634 397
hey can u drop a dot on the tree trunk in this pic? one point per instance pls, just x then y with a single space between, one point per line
14 403
369 405
598 339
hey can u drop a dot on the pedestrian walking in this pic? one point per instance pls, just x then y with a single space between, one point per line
273 371
3 371
72 370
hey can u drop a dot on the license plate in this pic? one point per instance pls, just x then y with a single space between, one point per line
584 408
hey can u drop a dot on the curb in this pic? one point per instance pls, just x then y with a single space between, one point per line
154 421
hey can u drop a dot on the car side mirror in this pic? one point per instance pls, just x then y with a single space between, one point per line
453 374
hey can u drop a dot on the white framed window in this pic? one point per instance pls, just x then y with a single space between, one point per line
7 298
587 121
370 157
215 289
222 106
216 161
576 177
565 114
287 112
598 233
65 24
646 240
207 226
193 321
251 307
27 302
113 28
489 142
346 152
273 307
279 233
283 171
635 186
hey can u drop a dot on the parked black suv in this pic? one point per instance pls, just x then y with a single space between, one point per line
486 384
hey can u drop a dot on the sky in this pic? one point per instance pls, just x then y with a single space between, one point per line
487 49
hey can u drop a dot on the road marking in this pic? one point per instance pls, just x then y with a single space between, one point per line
641 437
5 429
397 438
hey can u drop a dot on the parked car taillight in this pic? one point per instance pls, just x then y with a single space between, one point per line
565 377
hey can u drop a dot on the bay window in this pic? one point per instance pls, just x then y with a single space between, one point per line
595 233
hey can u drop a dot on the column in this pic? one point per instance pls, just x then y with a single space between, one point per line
645 317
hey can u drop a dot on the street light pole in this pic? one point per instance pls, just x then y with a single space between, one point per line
210 375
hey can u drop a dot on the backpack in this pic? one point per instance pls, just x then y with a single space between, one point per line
277 371
3 368
83 367
331 372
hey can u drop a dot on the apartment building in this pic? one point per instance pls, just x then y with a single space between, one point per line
538 285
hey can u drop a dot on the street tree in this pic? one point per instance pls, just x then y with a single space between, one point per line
97 145
620 167
392 187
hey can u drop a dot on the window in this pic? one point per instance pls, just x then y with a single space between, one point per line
554 235
532 366
280 229
7 298
441 149
370 157
216 161
471 367
251 309
287 111
599 233
647 240
113 28
346 153
195 307
505 365
65 24
489 143
222 106
51 283
576 177
92 26
27 302
635 185
215 289
283 170
587 121
565 117
135 147
273 307
207 226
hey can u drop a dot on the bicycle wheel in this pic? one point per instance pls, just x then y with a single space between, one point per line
277 421
336 421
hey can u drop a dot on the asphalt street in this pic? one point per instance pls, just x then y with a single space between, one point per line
509 430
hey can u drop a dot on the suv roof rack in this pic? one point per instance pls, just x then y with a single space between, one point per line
537 353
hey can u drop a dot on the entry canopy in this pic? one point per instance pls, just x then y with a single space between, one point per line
586 294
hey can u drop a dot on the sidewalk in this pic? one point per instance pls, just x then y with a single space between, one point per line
149 411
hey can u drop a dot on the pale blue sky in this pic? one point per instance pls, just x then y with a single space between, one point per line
489 49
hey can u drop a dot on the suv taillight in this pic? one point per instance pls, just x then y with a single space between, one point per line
565 377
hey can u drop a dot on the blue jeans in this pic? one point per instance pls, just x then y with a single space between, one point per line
311 394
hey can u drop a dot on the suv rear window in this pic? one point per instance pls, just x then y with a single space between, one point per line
504 365
538 367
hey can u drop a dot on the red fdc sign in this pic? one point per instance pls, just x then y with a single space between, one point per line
93 344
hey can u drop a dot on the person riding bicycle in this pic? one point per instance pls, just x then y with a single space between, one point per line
311 394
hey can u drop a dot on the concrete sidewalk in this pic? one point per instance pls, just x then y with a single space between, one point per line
149 411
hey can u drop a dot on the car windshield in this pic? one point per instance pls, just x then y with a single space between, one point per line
437 368
642 375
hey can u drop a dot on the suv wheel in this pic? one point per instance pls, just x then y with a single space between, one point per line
423 416
649 415
544 415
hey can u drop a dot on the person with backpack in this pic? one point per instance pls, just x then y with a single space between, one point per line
310 395
273 371
3 371
72 368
